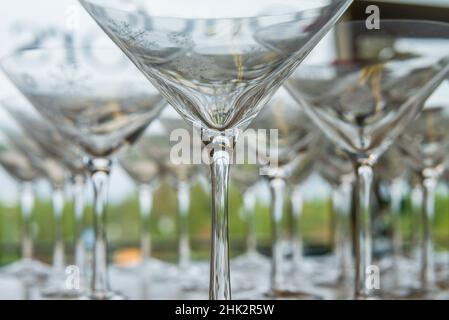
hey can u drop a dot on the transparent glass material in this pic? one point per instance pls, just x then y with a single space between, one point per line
48 152
286 156
336 168
362 97
425 147
251 268
211 65
98 101
18 166
294 239
400 269
217 68
245 178
144 163
181 174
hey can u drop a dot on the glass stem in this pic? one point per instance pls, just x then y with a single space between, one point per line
99 170
58 250
427 270
26 208
363 242
183 195
249 203
341 203
145 206
296 211
277 187
79 184
417 205
395 208
220 284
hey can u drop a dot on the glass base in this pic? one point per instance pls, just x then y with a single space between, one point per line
108 295
292 294
414 294
153 269
248 272
194 277
55 293
303 290
443 283
56 289
250 261
27 270
441 262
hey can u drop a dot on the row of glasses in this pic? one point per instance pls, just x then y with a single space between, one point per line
386 169
61 84
19 167
251 263
217 66
335 167
181 175
218 74
287 157
364 100
424 147
53 172
151 155
392 172
145 171
60 164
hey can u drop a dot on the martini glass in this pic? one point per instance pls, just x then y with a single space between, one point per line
24 138
144 162
425 148
18 166
442 259
61 84
392 172
286 152
245 178
59 160
181 174
175 147
251 266
364 96
300 174
336 168
53 144
416 204
217 65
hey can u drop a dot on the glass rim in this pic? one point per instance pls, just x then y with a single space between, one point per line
389 22
14 53
344 6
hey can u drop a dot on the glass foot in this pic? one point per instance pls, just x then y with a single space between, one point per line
60 294
294 294
413 294
248 280
154 269
107 295
248 271
250 261
299 291
27 270
193 278
443 284
55 291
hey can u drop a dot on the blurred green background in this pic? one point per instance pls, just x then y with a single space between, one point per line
124 227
